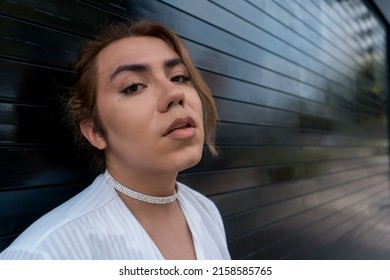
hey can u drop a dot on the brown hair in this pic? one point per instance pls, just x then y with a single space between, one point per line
82 102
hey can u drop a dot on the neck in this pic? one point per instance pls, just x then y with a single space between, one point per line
153 184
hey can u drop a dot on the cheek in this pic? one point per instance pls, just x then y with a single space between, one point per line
200 111
126 125
120 119
198 105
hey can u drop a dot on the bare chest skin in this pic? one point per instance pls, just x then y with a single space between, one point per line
167 227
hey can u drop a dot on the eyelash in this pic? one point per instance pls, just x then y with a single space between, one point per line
183 77
131 90
127 90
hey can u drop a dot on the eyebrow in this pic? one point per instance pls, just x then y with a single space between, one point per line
168 64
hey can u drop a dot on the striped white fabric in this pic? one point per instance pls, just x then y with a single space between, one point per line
96 224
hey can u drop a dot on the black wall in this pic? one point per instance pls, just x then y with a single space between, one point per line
302 92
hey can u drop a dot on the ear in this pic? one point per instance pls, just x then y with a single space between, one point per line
93 136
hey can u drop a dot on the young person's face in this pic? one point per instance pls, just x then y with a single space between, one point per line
148 107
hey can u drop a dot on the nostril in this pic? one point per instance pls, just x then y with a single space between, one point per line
171 99
180 102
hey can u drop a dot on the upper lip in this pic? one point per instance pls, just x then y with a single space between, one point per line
180 122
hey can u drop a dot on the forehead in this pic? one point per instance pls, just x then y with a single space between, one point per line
134 50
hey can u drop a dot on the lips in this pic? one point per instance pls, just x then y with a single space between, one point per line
181 127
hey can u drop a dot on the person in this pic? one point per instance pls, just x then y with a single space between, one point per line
144 108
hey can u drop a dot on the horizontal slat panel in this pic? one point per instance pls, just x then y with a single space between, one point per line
373 231
311 132
32 124
117 7
255 219
32 84
65 15
212 14
275 240
32 43
255 197
253 156
44 166
34 201
331 228
233 180
287 30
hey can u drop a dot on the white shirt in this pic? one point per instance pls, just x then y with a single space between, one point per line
96 224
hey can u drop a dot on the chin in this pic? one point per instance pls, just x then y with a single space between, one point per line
189 159
192 164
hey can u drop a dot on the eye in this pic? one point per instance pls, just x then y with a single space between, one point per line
133 88
180 79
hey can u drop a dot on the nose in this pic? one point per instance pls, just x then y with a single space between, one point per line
171 95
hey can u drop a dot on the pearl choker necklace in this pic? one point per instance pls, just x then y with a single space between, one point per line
139 196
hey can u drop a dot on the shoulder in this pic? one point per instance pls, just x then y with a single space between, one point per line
195 196
199 202
205 222
66 216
